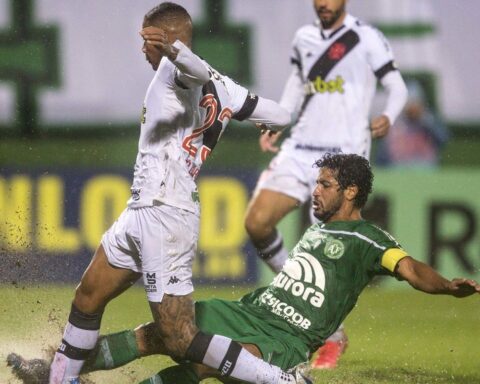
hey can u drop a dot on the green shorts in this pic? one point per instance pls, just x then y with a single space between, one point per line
229 318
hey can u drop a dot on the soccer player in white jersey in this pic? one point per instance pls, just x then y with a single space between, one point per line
186 109
336 62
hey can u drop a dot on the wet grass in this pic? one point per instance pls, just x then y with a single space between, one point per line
396 336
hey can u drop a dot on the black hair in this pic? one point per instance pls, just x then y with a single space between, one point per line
350 170
167 10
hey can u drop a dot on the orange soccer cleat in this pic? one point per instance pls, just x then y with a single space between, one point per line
328 354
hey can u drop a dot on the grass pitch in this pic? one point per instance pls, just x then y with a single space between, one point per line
396 336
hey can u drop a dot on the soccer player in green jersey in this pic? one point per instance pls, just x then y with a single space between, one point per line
319 285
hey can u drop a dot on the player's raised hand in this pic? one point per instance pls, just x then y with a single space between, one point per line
380 126
462 287
268 138
158 38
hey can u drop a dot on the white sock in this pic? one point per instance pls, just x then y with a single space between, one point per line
72 353
78 340
253 369
234 361
277 261
274 254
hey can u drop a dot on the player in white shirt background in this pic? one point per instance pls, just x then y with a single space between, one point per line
336 63
186 109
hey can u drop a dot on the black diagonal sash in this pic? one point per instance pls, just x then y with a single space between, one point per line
327 61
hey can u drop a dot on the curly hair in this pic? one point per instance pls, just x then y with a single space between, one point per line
350 170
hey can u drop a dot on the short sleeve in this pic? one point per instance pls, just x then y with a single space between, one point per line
295 57
243 102
379 52
384 252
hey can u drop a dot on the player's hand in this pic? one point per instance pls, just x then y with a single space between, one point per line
380 126
461 287
158 38
268 138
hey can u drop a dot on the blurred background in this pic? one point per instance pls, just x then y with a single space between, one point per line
72 83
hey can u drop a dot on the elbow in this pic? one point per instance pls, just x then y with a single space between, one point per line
284 117
204 77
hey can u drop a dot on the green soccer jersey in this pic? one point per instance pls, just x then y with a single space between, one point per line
323 277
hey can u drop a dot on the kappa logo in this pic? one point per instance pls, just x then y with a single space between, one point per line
334 249
173 280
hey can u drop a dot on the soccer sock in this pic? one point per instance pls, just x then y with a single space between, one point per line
228 356
112 351
273 252
79 338
173 375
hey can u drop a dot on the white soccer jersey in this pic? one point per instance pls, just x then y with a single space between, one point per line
338 75
180 127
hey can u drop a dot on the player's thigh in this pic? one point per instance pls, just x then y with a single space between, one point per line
169 243
268 207
230 319
101 282
282 187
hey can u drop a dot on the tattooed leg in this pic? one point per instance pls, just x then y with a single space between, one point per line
175 322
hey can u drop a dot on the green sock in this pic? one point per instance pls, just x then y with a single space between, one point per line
112 351
173 375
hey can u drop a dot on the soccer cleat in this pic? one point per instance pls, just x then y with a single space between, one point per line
35 371
329 354
301 374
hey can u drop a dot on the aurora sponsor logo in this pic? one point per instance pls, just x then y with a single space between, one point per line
301 269
297 288
284 310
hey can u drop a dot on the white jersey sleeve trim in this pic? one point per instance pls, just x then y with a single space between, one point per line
191 72
396 94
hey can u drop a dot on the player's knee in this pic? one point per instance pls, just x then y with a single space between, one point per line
258 224
87 299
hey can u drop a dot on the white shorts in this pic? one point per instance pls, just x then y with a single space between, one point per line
289 175
160 242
